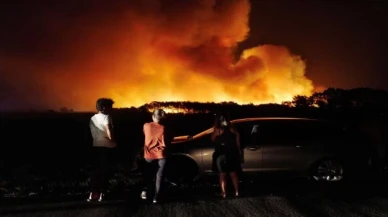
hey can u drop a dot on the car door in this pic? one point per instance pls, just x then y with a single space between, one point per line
207 149
284 146
252 153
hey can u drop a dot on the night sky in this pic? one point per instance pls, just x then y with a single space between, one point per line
345 43
67 54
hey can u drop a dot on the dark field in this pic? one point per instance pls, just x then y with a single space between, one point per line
273 197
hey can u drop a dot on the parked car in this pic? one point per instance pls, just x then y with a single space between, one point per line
325 150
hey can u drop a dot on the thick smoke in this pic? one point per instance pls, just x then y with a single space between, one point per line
142 51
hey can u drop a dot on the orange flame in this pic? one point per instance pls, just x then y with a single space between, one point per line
167 51
264 74
171 109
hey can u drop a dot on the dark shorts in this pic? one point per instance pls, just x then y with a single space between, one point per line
226 164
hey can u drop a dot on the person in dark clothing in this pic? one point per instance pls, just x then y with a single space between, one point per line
375 128
101 128
226 156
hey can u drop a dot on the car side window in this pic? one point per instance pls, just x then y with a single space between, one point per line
247 131
286 132
268 133
324 131
281 132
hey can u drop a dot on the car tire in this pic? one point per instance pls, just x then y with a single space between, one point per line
181 171
328 170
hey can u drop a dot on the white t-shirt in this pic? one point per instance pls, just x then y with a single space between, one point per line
98 127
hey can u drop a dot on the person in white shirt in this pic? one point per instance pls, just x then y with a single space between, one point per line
101 128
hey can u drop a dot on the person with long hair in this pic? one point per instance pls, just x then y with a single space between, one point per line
155 154
101 128
226 156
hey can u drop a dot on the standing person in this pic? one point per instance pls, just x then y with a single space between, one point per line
101 128
376 129
226 156
154 153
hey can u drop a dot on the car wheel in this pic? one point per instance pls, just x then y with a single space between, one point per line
329 170
181 171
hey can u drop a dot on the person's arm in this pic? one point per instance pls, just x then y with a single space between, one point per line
211 130
109 128
145 136
214 134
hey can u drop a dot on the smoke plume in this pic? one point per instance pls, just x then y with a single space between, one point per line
140 51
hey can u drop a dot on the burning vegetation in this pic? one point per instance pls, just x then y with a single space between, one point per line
142 51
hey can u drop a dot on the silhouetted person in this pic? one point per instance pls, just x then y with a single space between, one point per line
101 128
376 129
226 156
154 153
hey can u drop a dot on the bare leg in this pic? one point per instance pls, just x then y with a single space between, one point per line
234 177
222 178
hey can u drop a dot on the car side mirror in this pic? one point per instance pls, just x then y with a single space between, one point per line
254 129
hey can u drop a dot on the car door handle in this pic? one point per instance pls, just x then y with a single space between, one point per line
253 148
299 146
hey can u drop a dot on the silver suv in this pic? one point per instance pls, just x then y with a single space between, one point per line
320 149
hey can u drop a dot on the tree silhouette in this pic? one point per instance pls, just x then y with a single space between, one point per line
319 100
301 101
337 98
330 99
65 110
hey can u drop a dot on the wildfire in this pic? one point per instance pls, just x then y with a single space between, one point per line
167 107
171 109
167 51
264 74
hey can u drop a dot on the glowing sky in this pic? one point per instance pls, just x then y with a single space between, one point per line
69 54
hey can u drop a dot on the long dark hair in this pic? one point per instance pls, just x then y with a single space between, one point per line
219 118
